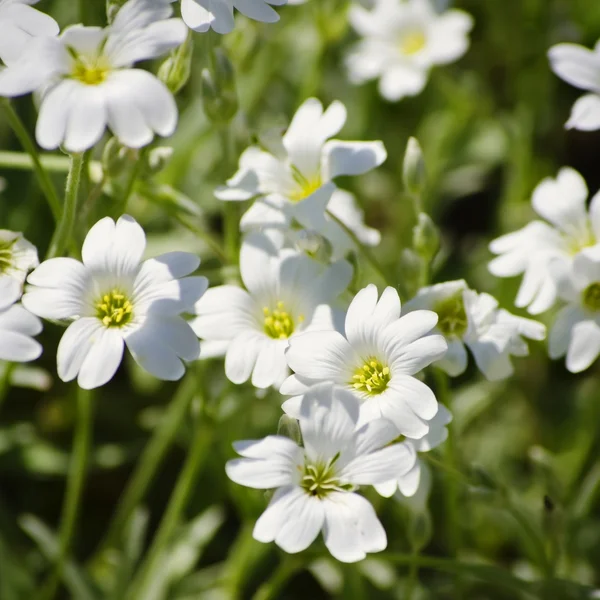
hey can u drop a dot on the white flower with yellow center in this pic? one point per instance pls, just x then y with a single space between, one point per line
291 178
287 293
19 23
572 227
376 360
17 258
17 328
402 41
580 67
468 319
202 15
114 299
316 485
576 329
87 82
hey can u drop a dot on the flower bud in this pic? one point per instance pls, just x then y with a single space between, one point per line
175 71
115 158
158 158
419 529
411 266
426 237
218 89
313 244
413 168
288 427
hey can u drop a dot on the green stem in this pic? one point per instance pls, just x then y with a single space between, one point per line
286 569
23 162
230 209
197 455
366 252
64 231
151 460
5 375
75 481
413 575
135 171
44 180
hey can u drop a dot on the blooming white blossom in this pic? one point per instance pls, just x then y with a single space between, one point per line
19 23
376 360
112 298
292 177
402 41
576 330
571 228
468 319
87 83
17 257
17 328
580 67
415 484
202 15
287 293
316 485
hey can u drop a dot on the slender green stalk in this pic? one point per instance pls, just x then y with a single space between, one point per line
44 180
130 186
151 460
230 209
368 255
5 381
23 162
64 231
206 237
413 576
271 589
75 482
197 455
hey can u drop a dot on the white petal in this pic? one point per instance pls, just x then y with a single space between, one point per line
102 359
271 367
454 362
408 484
195 16
492 361
10 290
576 65
137 14
394 408
17 319
413 358
52 304
172 265
351 158
242 354
584 346
74 346
257 10
560 332
409 328
585 114
416 394
257 267
380 466
351 527
361 308
87 118
16 347
400 81
54 114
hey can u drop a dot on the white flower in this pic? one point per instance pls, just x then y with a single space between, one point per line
292 178
402 41
285 289
467 318
580 67
17 327
376 360
576 330
17 257
113 299
316 485
415 484
87 82
202 15
562 202
19 23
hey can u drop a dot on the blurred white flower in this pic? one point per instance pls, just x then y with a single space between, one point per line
402 41
316 485
414 484
87 83
113 299
580 67
468 319
376 360
576 329
17 327
202 15
285 289
17 257
292 177
19 23
562 202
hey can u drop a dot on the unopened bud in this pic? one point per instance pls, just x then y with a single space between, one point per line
175 71
419 529
218 89
158 159
413 168
288 427
312 243
426 237
411 266
115 157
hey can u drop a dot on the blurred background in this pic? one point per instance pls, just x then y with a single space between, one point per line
491 127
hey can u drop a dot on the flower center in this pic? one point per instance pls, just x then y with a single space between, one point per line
279 324
452 318
90 74
114 309
320 479
591 297
412 42
373 377
306 186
